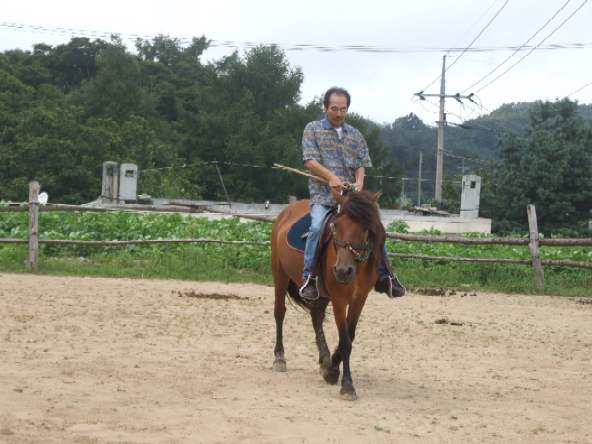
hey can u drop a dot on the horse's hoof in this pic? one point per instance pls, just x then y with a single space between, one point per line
348 394
330 375
279 365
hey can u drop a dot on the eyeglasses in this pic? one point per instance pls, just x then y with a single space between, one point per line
336 109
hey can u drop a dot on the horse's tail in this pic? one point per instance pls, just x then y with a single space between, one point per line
295 296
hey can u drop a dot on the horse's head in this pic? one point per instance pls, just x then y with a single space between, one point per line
357 233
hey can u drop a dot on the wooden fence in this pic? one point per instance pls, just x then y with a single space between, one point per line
533 242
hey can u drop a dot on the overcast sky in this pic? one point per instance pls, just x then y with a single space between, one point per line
381 83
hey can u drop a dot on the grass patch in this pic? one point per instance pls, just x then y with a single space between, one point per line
236 264
190 263
493 277
231 263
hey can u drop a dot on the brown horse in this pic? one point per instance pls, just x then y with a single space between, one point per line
350 249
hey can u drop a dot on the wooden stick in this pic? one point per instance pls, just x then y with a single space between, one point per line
302 173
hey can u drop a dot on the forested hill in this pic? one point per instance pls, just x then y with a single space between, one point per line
477 140
186 123
66 109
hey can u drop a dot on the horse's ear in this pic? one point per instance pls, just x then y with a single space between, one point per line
376 196
336 192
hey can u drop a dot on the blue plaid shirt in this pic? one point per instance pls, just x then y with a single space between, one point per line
343 157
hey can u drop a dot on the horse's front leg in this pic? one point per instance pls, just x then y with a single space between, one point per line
343 351
346 326
317 313
337 356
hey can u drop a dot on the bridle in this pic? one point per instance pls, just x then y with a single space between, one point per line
361 252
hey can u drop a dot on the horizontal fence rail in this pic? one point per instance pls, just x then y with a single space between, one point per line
131 208
533 242
550 262
488 240
136 242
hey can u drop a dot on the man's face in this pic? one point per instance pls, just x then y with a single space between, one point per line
337 110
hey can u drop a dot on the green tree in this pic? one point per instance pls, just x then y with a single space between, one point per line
551 168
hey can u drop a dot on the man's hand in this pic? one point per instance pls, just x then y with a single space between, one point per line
359 183
335 182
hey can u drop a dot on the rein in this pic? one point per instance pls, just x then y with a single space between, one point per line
361 252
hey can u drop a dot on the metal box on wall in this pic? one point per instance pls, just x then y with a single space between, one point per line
128 182
470 196
110 184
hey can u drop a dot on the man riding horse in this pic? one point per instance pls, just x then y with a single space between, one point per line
338 153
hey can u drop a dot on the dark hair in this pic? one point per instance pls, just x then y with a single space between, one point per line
339 92
361 207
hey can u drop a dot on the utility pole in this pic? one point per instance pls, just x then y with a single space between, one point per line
440 145
419 180
441 122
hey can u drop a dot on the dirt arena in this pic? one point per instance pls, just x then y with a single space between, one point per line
85 360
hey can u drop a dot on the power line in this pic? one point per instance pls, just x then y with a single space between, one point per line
72 32
535 47
422 103
479 103
236 164
472 112
579 89
478 35
202 163
470 44
448 153
518 49
475 110
470 28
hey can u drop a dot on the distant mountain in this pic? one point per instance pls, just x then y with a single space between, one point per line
470 145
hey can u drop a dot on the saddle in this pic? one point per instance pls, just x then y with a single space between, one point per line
297 240
299 232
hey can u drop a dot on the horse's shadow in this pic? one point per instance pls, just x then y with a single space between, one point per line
387 386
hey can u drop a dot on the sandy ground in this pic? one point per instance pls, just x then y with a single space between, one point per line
85 360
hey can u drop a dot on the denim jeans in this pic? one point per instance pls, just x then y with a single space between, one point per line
317 215
383 269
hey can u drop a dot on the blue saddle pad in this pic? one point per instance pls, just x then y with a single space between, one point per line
295 235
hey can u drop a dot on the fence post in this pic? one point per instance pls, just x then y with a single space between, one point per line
33 225
533 246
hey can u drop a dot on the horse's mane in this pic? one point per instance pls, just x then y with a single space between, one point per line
362 209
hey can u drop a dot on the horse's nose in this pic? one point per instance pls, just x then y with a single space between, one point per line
343 274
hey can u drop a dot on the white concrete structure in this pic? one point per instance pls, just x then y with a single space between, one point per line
120 182
128 182
470 196
110 184
452 225
447 225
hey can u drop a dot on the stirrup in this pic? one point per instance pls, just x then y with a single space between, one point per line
309 291
391 286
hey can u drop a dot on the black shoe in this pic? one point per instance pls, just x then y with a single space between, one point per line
390 285
308 291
